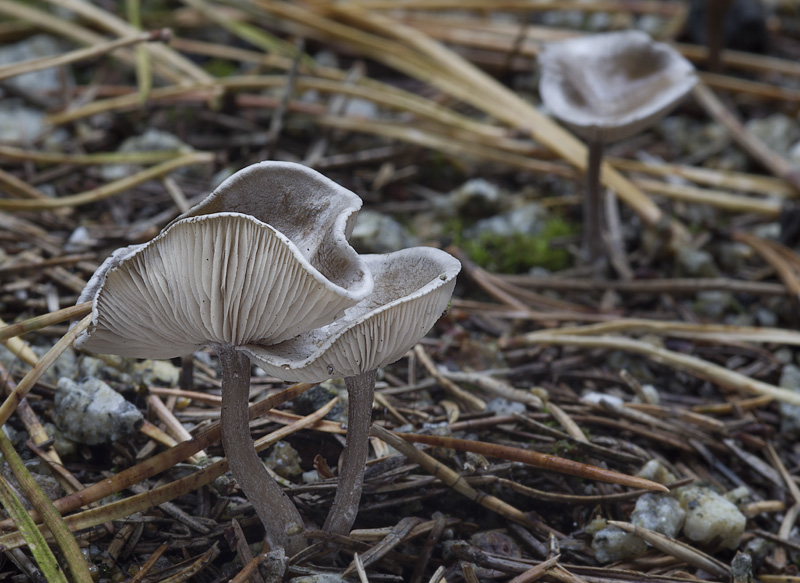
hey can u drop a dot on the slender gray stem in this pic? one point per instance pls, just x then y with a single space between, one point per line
592 223
361 390
280 518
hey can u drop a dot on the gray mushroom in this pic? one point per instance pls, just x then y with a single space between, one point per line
412 289
608 87
263 259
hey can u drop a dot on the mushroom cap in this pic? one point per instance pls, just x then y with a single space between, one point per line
610 86
412 290
231 278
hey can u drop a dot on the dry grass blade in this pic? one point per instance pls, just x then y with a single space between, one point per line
170 491
537 572
76 562
751 144
31 535
110 189
472 401
166 459
26 384
395 537
108 21
709 332
9 71
535 458
774 254
676 549
45 320
692 364
448 476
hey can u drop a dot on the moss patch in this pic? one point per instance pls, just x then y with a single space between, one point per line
516 252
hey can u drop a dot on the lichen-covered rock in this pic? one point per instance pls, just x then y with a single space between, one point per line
710 518
657 472
283 458
659 512
611 543
91 412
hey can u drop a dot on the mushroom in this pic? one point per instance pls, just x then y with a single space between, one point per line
607 87
262 259
412 289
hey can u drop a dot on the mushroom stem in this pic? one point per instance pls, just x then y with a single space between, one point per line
361 391
280 518
592 221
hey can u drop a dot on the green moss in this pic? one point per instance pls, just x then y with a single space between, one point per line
220 68
516 252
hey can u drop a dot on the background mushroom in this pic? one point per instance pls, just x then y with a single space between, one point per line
276 267
412 289
608 87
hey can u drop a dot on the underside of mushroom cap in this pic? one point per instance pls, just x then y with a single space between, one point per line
224 278
412 290
313 211
610 86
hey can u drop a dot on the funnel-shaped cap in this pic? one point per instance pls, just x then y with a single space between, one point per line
610 86
229 276
412 290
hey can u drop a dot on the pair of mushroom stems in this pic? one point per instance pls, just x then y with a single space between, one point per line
281 519
592 245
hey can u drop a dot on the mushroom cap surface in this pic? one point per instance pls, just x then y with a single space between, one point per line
226 277
412 290
610 86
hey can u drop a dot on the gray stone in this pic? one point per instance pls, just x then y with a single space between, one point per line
91 412
378 233
659 512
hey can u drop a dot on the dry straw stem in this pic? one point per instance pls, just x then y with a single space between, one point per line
472 402
8 71
679 550
34 539
396 535
783 260
39 436
13 186
456 135
162 494
537 572
750 143
148 565
75 560
45 320
448 476
165 459
635 6
110 189
416 54
44 20
716 198
697 366
151 157
20 349
375 91
30 379
652 286
727 179
715 332
108 21
536 459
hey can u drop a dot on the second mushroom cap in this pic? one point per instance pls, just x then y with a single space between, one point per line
610 86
